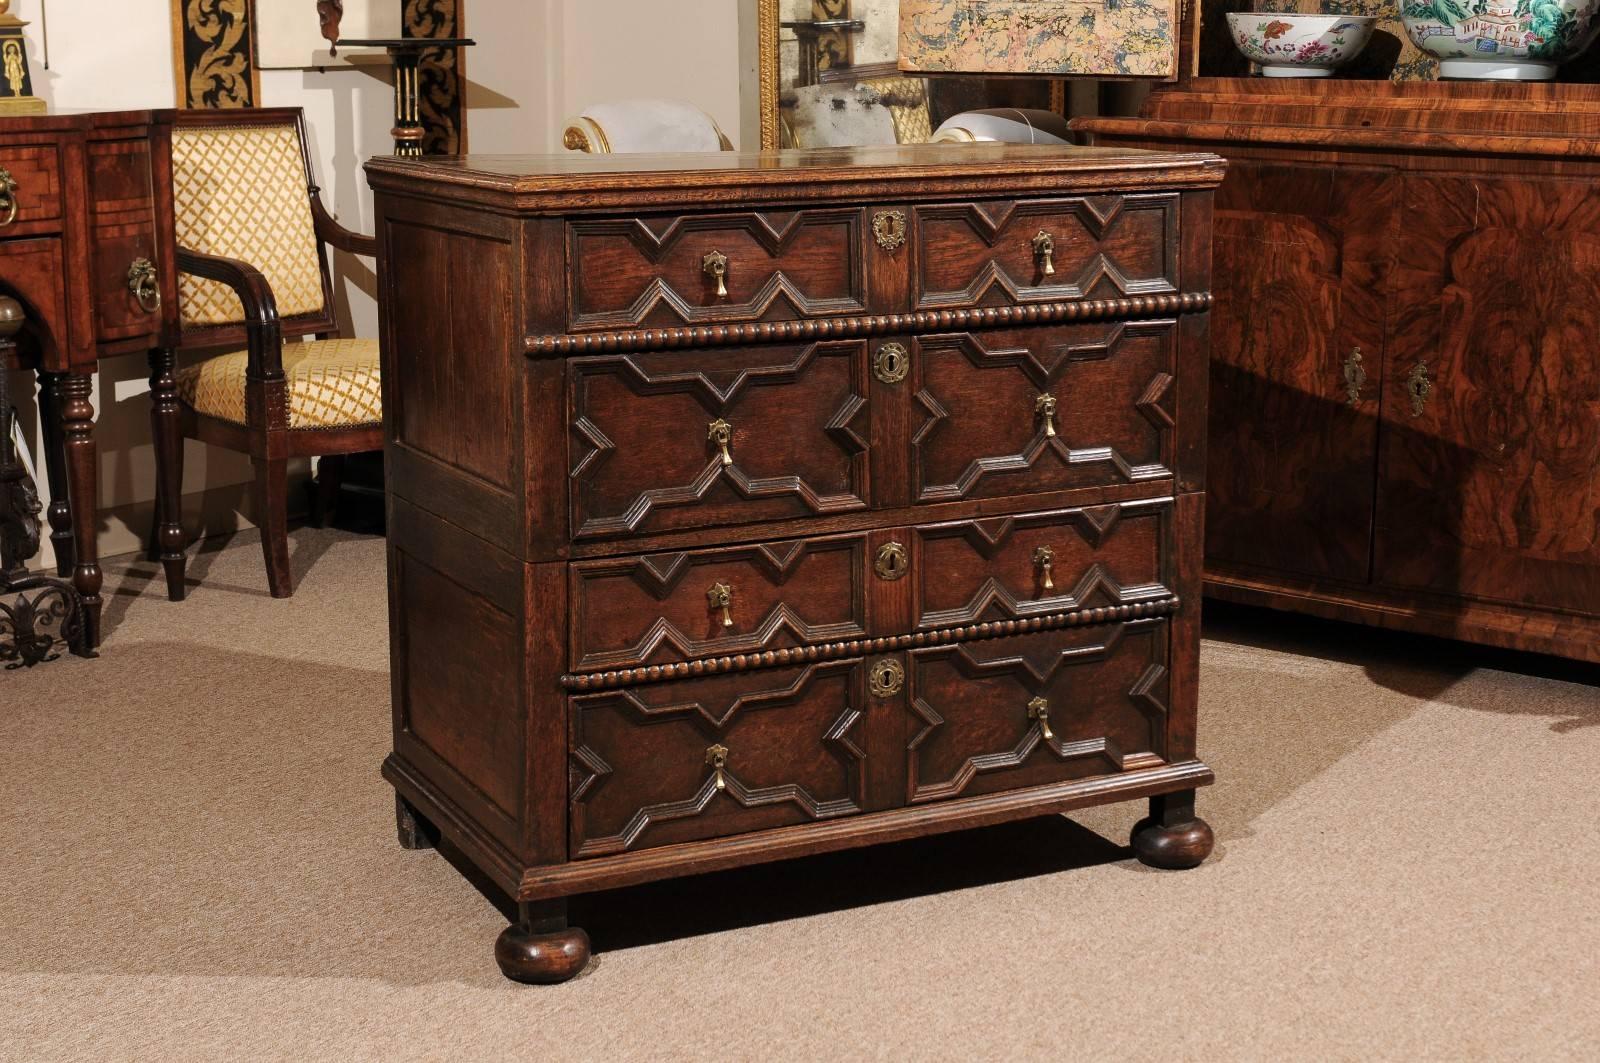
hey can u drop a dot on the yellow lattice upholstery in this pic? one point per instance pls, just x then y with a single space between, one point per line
331 384
241 192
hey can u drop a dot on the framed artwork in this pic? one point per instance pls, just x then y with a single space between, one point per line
1053 38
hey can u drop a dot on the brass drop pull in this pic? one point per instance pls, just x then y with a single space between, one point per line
717 757
1419 387
1044 558
721 597
720 432
1044 250
1045 406
1355 377
715 265
142 284
8 197
1039 709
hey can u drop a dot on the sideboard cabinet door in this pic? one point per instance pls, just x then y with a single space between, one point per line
1489 475
1301 254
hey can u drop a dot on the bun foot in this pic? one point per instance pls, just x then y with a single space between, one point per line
541 959
414 829
1172 837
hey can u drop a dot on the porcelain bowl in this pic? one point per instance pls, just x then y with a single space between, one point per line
1300 46
1502 40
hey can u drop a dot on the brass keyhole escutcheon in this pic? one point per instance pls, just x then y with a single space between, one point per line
1044 559
715 266
1045 406
8 197
1355 378
721 597
892 562
1420 388
892 363
720 432
717 757
1044 251
1039 709
143 285
886 678
889 229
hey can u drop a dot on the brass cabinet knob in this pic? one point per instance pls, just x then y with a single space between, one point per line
1044 251
1044 558
8 197
715 266
143 285
1355 378
1039 709
1045 406
721 597
720 432
717 757
1420 388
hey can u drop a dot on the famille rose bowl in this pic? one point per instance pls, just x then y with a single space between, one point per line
1300 46
1502 40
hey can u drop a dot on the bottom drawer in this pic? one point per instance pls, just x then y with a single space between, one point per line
1036 709
645 760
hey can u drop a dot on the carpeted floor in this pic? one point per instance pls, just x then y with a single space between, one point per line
199 863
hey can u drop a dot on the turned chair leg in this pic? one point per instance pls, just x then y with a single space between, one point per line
272 506
166 430
540 947
59 515
1172 837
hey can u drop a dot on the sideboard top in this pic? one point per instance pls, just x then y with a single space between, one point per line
577 179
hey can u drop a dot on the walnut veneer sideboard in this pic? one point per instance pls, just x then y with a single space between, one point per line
747 506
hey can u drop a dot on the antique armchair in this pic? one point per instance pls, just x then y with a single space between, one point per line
244 244
644 125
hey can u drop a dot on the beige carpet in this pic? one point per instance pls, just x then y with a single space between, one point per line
199 863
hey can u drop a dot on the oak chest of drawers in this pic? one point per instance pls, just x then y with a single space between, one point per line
750 506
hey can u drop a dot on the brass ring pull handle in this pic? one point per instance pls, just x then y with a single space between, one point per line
715 266
1355 378
8 197
1420 388
721 597
142 283
720 432
1044 558
1039 709
1045 406
1044 251
717 757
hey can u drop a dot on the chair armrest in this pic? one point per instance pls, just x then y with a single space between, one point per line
332 232
264 338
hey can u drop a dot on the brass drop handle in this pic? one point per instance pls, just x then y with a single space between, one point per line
1045 406
721 597
8 197
1044 251
1044 558
1419 387
1355 377
717 757
715 266
1039 709
142 283
720 432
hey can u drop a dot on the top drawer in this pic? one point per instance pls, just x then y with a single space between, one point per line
1023 251
35 185
671 271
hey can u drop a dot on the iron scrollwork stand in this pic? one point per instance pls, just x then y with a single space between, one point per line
39 615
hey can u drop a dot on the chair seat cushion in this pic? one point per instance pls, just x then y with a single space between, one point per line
331 384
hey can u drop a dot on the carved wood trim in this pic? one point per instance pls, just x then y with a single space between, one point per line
852 327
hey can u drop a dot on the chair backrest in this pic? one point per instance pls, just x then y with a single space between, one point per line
1008 125
644 125
242 190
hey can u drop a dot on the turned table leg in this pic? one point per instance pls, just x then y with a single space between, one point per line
1172 837
77 429
540 947
59 515
166 429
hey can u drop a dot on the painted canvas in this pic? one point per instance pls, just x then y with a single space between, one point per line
1059 38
